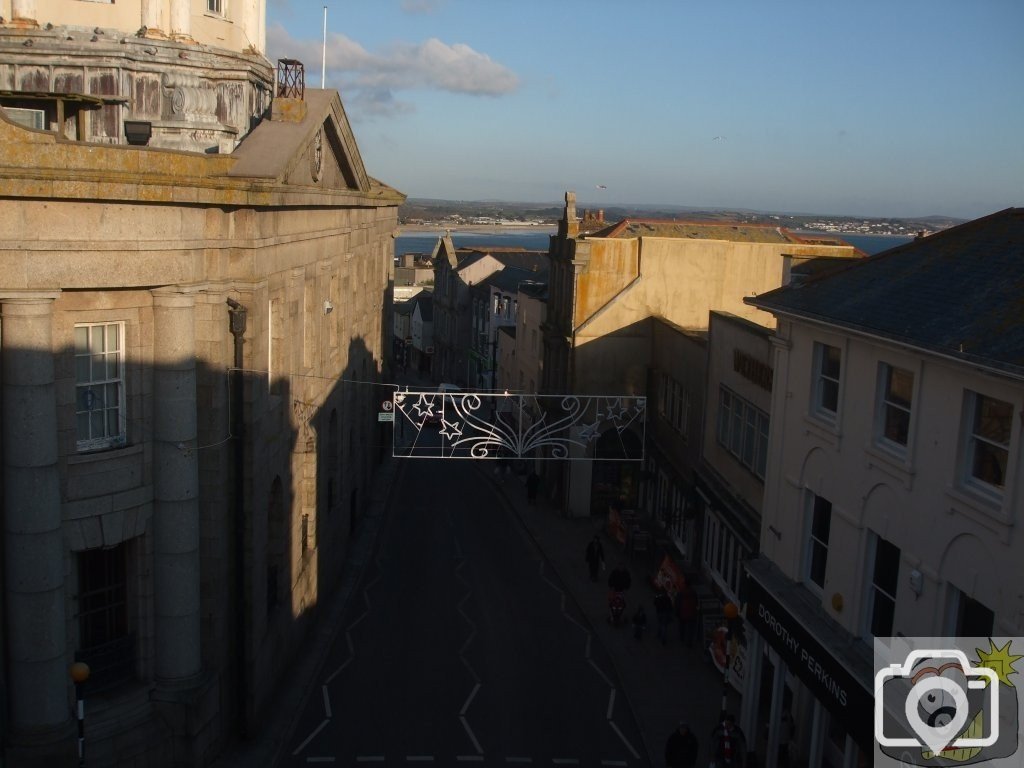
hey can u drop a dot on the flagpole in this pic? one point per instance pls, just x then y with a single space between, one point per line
323 66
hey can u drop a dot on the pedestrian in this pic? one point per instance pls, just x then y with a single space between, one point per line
639 623
532 484
681 748
728 746
663 612
686 612
595 557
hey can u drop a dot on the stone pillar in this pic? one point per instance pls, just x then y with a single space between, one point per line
37 642
176 490
152 17
23 13
181 19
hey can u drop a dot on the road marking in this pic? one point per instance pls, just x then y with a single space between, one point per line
351 656
600 672
327 701
319 759
611 705
311 736
469 700
472 736
624 740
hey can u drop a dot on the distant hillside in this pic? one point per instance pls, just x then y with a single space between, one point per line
430 211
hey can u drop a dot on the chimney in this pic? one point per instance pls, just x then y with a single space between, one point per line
289 105
600 214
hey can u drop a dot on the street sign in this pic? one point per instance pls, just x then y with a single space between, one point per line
385 416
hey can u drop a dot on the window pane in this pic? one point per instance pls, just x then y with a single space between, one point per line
81 340
989 463
992 419
897 424
113 339
829 395
750 437
819 555
887 565
822 519
96 340
830 361
113 419
83 426
81 368
882 615
900 387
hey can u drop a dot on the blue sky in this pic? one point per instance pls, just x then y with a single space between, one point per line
896 108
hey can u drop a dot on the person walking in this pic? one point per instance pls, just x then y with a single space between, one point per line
663 612
681 748
595 557
728 745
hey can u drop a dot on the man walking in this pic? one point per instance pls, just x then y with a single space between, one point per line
681 748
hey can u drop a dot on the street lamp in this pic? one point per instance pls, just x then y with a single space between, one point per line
79 672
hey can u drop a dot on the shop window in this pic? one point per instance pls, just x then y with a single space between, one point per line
817 549
99 386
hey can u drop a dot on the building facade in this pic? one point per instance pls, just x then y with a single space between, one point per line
893 481
188 333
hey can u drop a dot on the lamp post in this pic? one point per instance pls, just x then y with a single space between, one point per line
79 672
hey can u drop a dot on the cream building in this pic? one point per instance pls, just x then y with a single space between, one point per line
894 491
606 285
189 341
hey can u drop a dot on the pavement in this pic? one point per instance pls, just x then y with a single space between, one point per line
663 684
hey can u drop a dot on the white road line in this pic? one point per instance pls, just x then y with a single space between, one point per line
357 620
611 705
351 656
327 701
600 672
469 700
472 736
624 741
319 759
311 736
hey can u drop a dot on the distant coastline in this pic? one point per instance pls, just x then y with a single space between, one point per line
478 229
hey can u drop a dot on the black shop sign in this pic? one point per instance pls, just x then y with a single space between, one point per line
842 694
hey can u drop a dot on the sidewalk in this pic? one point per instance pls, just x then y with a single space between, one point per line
663 684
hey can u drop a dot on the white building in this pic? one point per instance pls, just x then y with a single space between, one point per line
894 482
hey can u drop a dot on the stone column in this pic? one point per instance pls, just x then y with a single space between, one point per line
23 13
181 19
151 17
37 642
176 490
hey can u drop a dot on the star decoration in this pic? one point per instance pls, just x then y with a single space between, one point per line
424 406
589 432
450 429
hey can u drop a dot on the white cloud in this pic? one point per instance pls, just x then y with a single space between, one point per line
372 78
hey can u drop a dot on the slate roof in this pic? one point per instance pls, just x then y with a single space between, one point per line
959 292
425 301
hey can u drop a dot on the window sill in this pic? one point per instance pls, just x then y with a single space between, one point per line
99 454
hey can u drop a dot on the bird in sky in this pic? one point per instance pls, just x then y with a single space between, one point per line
601 186
719 138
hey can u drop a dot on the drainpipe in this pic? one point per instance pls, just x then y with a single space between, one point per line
238 315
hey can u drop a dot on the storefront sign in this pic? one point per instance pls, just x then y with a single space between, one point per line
825 675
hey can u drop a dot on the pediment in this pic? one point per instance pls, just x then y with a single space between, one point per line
317 150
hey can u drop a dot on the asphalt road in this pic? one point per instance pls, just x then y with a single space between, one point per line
463 648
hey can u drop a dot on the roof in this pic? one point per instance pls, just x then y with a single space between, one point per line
508 279
536 261
696 230
425 301
959 292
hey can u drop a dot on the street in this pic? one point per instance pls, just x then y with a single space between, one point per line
462 646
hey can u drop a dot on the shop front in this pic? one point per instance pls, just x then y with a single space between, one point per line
808 678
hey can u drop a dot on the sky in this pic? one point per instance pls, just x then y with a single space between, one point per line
899 108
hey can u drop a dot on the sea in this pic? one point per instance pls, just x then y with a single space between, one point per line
534 240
